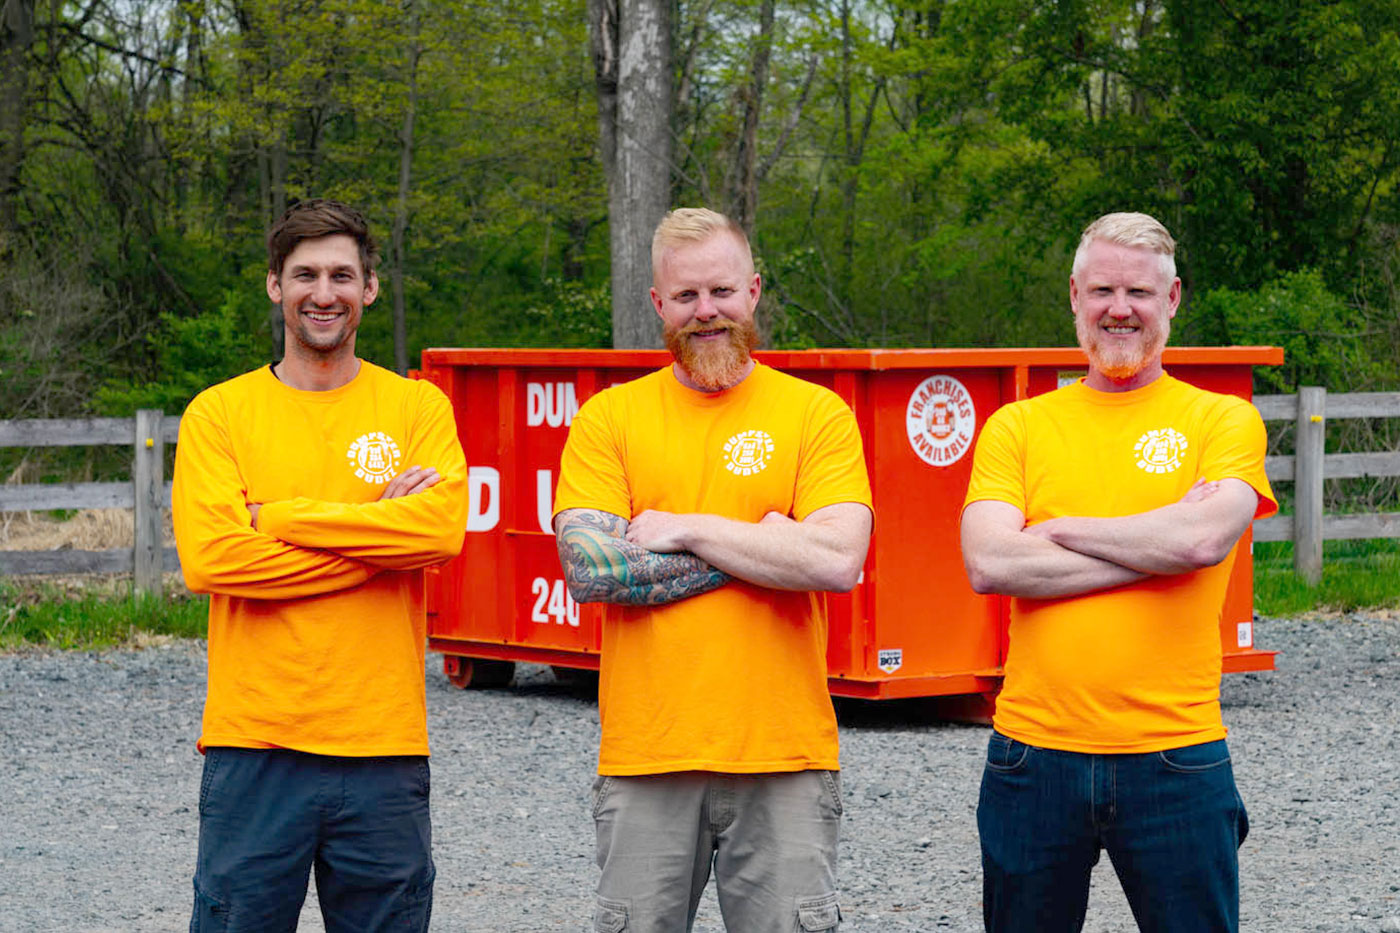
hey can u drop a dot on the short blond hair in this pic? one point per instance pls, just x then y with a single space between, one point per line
1126 228
686 225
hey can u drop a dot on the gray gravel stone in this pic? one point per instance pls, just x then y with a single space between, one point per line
99 779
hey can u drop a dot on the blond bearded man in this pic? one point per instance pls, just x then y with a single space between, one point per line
709 504
1110 509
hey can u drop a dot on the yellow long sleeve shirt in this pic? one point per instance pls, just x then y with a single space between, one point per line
316 618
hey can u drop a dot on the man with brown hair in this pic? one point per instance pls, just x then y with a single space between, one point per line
1111 509
309 495
709 504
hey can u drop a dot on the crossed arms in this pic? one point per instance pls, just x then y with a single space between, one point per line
305 547
661 557
1071 555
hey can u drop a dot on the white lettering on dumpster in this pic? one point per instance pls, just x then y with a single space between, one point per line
553 603
544 500
940 420
551 403
1244 634
483 498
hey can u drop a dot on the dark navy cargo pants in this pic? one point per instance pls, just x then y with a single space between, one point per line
267 817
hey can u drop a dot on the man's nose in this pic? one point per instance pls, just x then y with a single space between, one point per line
1119 306
322 294
705 309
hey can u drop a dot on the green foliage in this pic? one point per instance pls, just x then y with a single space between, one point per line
42 616
920 172
192 353
1321 334
1355 575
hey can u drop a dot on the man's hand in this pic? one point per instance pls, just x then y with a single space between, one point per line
661 532
413 480
1201 490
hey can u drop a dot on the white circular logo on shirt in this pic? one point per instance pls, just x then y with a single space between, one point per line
374 457
940 420
1160 450
748 452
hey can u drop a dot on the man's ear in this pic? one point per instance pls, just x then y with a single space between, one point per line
274 287
371 288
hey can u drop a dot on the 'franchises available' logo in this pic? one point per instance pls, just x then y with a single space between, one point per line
374 457
748 452
1160 450
940 420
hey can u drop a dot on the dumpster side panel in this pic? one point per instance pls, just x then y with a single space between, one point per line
911 627
930 622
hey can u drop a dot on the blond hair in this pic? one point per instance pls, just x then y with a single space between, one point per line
1140 231
686 225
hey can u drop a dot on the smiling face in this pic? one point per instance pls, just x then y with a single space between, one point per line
1123 301
706 292
323 291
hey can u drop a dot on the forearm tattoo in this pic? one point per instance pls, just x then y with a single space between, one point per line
602 566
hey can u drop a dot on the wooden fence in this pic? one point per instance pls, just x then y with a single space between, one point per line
1308 526
148 493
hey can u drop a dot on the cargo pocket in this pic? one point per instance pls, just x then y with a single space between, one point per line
210 916
818 913
610 916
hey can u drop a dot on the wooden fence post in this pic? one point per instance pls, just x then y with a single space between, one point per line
1307 484
147 477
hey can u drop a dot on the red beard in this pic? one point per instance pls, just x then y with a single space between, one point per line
1121 363
713 365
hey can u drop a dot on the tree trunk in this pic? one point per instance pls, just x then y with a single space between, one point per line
743 199
16 35
631 42
398 272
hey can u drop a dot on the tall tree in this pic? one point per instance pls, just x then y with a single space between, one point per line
631 42
16 35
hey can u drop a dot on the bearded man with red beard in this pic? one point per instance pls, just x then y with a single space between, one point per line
1110 510
709 505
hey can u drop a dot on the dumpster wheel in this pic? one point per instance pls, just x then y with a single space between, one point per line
478 673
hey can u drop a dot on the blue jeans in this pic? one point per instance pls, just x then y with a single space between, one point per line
267 816
1171 821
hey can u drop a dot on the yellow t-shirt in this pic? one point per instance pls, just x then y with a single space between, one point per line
733 680
316 619
1135 668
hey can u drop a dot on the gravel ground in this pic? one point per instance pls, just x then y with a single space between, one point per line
99 779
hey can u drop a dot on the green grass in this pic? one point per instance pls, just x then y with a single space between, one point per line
48 616
1355 575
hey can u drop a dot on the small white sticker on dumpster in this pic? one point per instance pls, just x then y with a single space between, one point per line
1245 634
891 659
940 420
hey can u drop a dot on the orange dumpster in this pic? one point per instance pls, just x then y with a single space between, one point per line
912 627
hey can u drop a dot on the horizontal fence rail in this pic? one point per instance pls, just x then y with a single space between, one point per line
1309 526
148 495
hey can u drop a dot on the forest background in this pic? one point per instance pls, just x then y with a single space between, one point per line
914 173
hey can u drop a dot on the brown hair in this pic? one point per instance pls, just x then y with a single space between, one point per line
314 218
